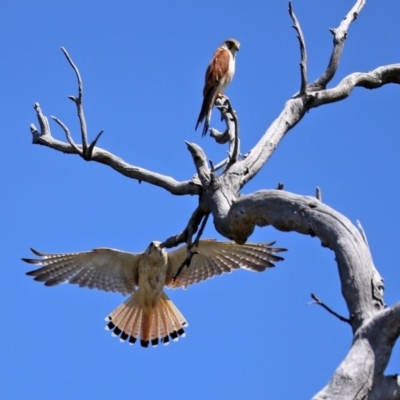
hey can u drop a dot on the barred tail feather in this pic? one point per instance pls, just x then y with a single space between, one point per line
175 316
152 325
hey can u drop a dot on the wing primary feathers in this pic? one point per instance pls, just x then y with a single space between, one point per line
215 258
37 253
104 269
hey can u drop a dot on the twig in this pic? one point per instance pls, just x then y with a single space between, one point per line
44 138
78 101
43 123
319 302
68 135
303 52
87 151
93 144
318 193
339 37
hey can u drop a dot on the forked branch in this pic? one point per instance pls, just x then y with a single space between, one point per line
93 153
339 37
313 96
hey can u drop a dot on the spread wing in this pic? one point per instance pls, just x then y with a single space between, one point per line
104 269
214 258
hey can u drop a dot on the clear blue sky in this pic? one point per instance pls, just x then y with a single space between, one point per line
250 335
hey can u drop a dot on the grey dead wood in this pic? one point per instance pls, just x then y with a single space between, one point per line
375 326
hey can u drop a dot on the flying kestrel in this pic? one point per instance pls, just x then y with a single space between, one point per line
218 76
148 313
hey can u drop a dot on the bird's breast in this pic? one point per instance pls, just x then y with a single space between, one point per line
152 276
229 74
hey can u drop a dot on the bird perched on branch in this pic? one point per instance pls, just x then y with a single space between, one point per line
148 314
218 76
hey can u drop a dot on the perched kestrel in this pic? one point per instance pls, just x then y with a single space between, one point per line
148 313
218 76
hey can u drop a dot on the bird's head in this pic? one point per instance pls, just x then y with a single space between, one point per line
232 44
154 249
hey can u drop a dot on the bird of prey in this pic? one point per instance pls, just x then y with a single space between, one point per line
218 76
148 314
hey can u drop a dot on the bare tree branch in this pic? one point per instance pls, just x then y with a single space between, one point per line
200 161
44 137
295 109
289 212
303 52
369 80
43 123
241 171
318 193
231 133
79 106
234 147
339 37
68 135
323 305
361 372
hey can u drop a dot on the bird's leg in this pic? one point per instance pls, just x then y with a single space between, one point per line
190 244
186 262
200 232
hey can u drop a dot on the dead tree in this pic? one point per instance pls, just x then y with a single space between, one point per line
375 326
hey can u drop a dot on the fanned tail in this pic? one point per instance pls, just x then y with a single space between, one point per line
130 321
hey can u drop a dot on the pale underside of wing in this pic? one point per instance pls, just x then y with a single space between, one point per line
215 258
102 268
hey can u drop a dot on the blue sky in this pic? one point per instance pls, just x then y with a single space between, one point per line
250 335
